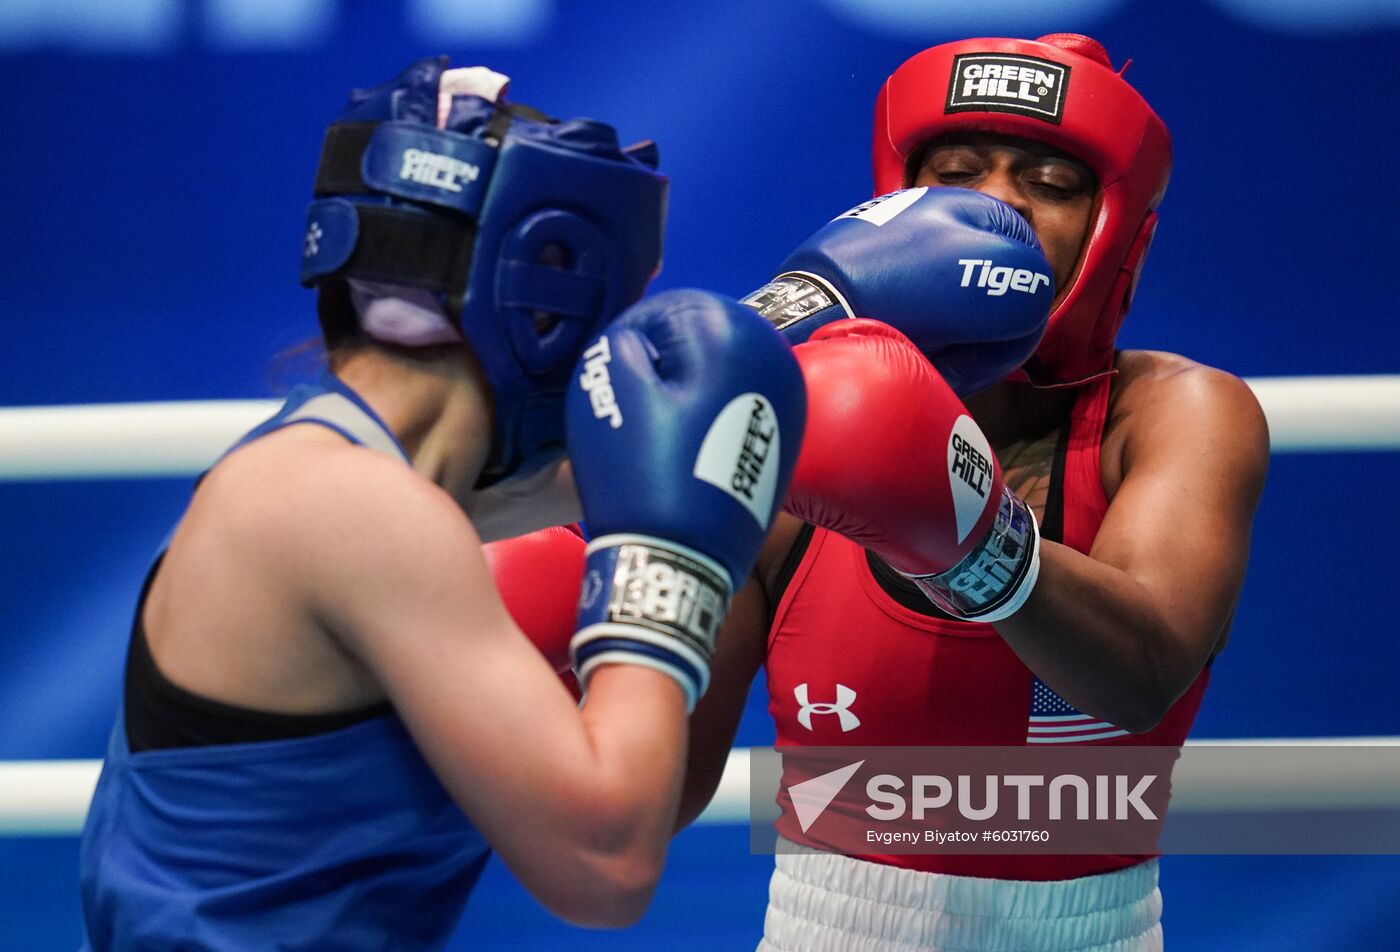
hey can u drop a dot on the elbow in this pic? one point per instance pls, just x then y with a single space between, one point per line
1135 704
604 874
1136 714
1141 708
1156 681
609 892
1143 721
1151 701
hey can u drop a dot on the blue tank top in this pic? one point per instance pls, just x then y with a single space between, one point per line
344 840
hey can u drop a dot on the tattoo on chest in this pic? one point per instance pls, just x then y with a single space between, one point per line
1026 466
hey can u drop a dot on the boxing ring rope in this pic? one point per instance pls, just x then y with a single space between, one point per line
47 798
1305 414
50 797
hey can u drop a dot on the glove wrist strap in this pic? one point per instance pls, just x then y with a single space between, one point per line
993 581
650 602
799 296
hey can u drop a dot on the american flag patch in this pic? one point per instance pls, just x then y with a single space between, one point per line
1052 721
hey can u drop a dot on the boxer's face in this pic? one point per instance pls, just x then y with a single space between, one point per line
1053 191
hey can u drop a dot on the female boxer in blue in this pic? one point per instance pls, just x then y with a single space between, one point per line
329 716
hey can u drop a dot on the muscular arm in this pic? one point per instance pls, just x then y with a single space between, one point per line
738 656
579 804
1123 632
742 648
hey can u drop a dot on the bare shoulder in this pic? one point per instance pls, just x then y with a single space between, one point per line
320 509
1156 386
1164 404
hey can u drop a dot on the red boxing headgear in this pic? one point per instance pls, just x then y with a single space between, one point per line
1061 90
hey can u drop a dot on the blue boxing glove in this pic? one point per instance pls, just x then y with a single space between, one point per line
683 424
960 273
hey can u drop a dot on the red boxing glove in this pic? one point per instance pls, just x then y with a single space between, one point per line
892 461
538 576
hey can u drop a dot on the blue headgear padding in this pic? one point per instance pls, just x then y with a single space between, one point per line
429 166
532 232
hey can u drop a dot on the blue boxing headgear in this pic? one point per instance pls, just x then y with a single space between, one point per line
530 233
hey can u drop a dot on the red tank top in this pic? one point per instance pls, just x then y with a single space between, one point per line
848 665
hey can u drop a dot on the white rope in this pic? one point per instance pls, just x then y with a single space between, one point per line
1315 414
46 797
50 797
1305 414
122 439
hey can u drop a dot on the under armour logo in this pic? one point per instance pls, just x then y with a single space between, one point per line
845 697
313 239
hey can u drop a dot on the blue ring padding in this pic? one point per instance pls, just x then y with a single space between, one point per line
641 648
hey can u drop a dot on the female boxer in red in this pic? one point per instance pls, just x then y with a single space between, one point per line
1084 607
1142 470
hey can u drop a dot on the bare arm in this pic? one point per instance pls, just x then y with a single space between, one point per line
738 655
580 804
741 650
1123 632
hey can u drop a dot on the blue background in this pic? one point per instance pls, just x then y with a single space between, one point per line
155 161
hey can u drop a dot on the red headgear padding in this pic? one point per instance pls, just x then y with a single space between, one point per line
1062 90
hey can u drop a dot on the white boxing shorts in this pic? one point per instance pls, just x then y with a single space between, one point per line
821 902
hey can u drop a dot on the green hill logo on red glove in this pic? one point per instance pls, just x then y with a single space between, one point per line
969 473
